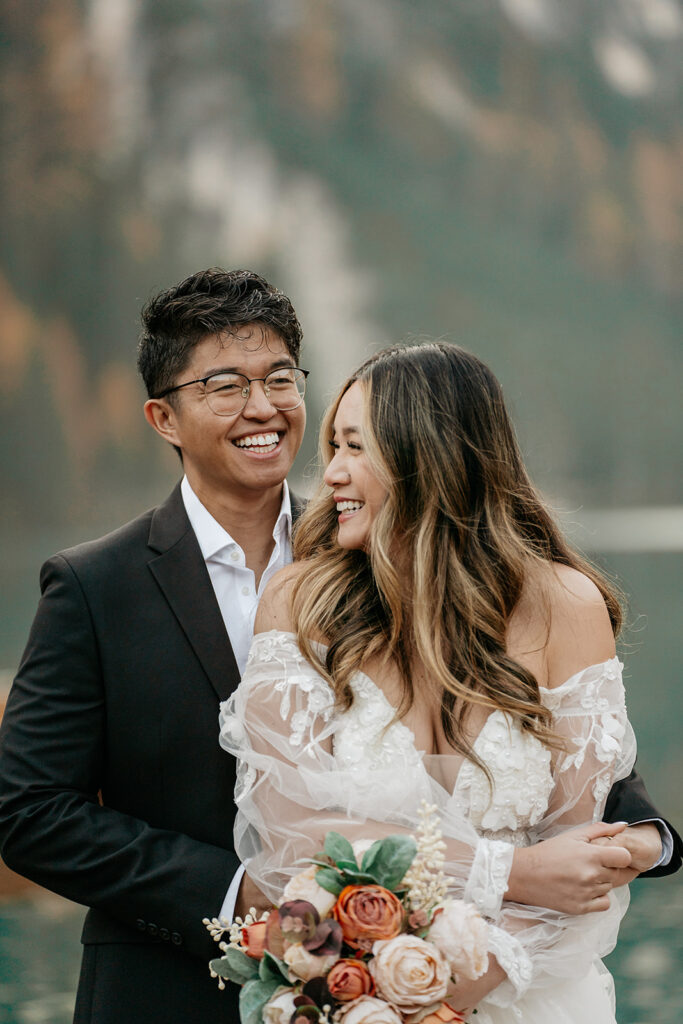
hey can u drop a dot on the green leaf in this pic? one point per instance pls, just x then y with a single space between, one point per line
253 997
389 859
271 967
236 966
330 879
360 878
339 848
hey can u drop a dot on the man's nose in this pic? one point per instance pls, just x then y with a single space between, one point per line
258 405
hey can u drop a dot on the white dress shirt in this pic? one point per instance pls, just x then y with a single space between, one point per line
234 584
235 589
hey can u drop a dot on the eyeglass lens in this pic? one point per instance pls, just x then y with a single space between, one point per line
227 393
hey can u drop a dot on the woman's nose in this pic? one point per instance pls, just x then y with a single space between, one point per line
335 472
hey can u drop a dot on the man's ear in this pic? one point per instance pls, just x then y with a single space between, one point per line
161 415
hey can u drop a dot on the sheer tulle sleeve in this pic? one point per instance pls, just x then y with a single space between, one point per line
291 789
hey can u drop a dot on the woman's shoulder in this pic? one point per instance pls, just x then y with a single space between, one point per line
275 606
580 633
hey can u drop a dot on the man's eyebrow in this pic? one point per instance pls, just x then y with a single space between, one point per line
278 364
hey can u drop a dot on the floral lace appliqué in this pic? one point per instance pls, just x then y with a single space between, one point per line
521 779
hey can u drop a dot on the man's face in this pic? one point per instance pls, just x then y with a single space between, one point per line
216 455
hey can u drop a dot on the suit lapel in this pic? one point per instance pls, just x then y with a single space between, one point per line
183 578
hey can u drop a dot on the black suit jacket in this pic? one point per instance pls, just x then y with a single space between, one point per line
114 791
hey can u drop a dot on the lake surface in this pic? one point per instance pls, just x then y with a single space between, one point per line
40 953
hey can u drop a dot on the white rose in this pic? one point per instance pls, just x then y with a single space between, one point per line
368 1010
304 887
305 965
280 1007
462 936
409 972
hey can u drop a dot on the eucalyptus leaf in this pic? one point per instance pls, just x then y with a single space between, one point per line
360 878
272 967
328 878
254 996
236 966
389 859
339 848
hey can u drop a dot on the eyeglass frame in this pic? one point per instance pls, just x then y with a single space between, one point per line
249 380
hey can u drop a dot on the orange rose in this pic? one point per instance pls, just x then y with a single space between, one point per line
367 913
254 938
350 979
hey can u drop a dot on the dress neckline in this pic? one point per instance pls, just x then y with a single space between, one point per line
609 663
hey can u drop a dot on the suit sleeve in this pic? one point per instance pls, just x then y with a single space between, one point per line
629 801
53 828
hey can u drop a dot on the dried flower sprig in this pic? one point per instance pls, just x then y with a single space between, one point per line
425 879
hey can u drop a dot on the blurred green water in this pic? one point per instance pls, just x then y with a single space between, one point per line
39 959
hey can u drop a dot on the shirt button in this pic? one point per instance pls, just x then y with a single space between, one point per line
234 556
245 591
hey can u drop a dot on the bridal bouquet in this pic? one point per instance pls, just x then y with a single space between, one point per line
364 935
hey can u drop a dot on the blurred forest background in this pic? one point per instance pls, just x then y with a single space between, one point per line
507 174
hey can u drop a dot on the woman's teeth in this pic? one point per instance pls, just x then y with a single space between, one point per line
349 506
261 443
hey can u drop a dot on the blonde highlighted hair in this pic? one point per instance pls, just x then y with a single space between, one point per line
460 530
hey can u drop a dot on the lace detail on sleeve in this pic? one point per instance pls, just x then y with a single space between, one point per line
278 654
589 711
512 957
488 878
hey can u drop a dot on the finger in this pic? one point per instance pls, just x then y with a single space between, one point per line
603 828
597 905
611 855
624 876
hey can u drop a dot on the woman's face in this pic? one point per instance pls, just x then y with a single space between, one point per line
357 490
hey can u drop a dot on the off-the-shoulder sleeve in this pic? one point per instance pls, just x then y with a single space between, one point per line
280 723
589 714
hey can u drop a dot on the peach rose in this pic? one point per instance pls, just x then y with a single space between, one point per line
304 965
409 972
443 1014
367 913
280 1007
304 887
254 938
350 979
367 1010
461 934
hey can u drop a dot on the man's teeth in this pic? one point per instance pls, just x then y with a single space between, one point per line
258 442
349 506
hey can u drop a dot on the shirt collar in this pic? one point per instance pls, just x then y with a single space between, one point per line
212 537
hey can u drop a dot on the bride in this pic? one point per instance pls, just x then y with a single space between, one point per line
438 639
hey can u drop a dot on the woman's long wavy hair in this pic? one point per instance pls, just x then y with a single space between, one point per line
460 530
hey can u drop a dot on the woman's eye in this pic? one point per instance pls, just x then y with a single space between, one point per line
355 447
333 444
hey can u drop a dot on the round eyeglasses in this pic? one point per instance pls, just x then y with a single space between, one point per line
227 393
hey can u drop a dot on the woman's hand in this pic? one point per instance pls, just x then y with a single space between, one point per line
571 872
464 995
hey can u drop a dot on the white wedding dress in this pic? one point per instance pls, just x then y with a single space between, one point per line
304 769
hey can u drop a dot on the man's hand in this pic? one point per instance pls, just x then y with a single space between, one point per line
571 873
643 842
248 896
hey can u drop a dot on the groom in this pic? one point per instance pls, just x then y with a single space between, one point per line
114 791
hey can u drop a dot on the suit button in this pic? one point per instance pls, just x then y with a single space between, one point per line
176 939
152 930
164 934
141 925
